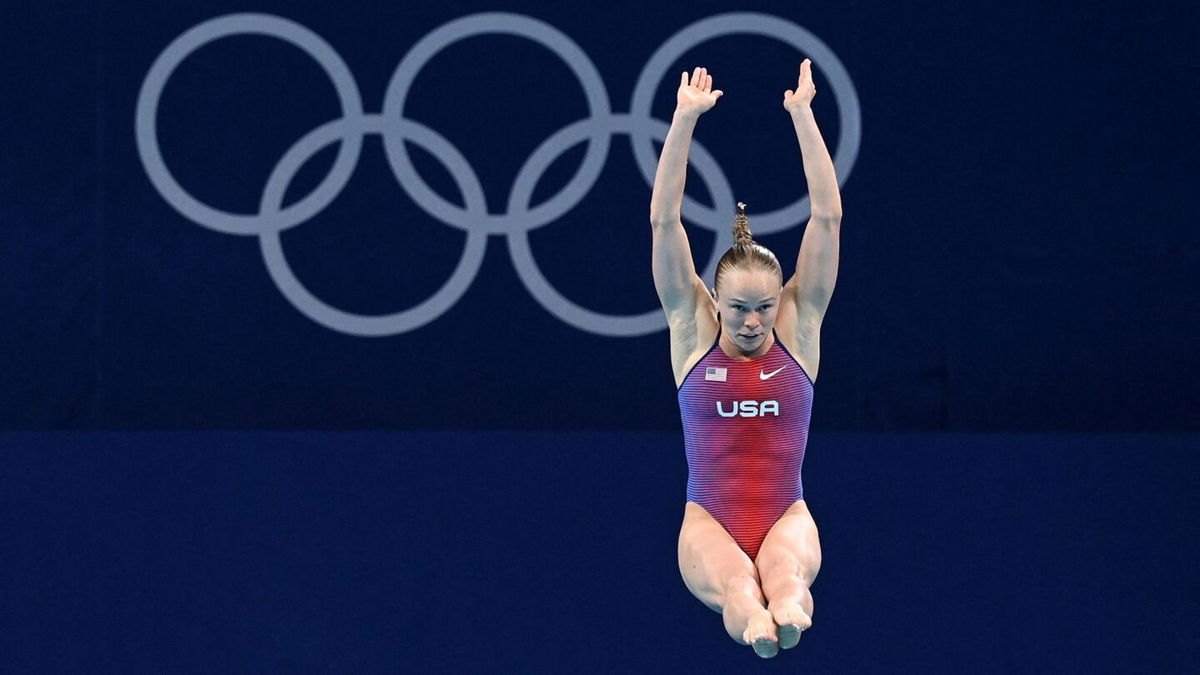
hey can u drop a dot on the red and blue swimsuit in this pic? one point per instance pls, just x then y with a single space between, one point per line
745 426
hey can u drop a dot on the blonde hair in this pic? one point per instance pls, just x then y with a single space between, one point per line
745 252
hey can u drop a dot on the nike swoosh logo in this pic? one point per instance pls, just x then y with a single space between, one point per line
767 376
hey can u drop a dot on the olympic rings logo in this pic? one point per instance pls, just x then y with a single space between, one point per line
473 218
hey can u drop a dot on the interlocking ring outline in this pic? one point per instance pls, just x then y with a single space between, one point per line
473 218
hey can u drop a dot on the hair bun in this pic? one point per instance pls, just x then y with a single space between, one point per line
745 252
741 227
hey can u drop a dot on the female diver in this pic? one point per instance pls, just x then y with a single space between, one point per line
745 358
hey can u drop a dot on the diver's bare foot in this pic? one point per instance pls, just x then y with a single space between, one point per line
760 634
792 620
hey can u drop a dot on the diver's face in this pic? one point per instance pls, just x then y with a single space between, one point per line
748 300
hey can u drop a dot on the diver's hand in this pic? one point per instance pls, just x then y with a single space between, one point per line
697 96
799 99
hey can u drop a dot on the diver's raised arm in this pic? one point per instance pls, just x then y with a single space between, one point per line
674 272
693 99
817 263
818 167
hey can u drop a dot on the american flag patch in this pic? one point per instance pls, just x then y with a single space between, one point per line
715 374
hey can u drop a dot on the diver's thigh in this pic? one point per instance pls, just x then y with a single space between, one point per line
792 546
709 557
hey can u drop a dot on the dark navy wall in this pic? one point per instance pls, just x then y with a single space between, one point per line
1019 248
537 552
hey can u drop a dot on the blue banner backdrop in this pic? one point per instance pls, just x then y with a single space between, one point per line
436 217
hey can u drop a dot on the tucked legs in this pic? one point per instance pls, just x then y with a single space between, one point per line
787 565
722 576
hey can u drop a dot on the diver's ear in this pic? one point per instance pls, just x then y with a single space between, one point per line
713 292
